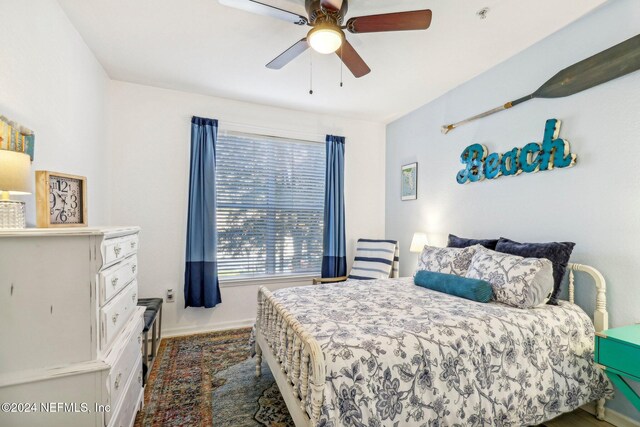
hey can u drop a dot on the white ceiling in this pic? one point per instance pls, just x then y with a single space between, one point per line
201 46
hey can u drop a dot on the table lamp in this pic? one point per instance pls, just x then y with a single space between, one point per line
14 180
418 242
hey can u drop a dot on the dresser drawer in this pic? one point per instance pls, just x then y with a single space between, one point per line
125 412
124 366
119 248
114 315
618 355
116 277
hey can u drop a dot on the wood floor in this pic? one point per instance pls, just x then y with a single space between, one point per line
577 418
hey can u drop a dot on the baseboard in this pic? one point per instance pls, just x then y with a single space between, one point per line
190 330
612 417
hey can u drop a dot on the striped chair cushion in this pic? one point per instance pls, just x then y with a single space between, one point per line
375 259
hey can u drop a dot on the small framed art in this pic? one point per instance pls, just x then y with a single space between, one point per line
410 181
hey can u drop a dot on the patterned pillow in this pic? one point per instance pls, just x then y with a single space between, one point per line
556 252
446 260
517 281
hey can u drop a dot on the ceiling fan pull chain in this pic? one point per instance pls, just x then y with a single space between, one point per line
341 64
310 72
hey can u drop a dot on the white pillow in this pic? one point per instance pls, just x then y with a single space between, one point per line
517 281
446 260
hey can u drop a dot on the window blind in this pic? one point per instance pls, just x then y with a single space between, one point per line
270 205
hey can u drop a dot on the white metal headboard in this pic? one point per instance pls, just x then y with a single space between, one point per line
601 315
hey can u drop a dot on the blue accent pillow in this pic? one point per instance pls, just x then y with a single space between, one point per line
556 252
462 242
463 287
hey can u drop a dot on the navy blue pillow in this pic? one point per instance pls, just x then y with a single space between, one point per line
556 252
463 287
461 242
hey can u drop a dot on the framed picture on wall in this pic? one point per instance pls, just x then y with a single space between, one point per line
409 182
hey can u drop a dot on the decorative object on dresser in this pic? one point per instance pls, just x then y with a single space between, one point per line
69 325
617 351
16 137
14 180
61 200
410 181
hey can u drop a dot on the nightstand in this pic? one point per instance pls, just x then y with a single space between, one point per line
617 351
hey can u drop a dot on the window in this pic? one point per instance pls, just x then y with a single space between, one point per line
270 205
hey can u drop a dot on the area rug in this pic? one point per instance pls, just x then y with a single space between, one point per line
209 380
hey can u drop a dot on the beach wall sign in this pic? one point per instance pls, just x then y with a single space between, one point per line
552 152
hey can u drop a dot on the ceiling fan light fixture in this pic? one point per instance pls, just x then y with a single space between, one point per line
325 38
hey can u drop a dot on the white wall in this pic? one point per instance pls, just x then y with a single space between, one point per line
149 143
51 82
595 204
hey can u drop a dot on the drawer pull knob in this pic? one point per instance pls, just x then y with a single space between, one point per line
117 249
115 318
133 268
116 384
114 282
133 245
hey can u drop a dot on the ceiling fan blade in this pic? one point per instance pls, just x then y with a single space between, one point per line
264 9
399 21
352 60
333 5
289 55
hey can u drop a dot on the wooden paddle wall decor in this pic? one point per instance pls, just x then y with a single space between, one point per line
617 61
552 153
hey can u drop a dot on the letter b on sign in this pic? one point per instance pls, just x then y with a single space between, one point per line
473 157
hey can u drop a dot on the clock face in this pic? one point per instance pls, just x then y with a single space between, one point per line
65 200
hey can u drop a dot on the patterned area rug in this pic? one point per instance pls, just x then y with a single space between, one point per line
208 380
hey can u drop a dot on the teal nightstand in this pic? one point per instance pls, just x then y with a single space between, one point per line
618 352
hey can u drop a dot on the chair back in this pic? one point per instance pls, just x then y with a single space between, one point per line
375 259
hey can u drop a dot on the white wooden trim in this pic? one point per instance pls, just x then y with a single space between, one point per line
299 417
613 417
277 331
35 375
200 329
86 231
301 280
601 315
286 346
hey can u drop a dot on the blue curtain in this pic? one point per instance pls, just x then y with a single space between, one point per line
334 260
201 288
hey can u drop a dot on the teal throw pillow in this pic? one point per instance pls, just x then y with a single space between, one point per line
463 287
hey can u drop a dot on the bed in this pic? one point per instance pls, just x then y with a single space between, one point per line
386 352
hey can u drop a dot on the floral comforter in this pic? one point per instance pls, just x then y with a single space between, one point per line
398 354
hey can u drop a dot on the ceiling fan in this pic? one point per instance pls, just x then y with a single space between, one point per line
327 35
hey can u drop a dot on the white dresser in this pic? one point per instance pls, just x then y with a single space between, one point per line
70 327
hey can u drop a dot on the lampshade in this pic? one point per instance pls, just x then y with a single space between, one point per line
15 172
418 242
325 38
